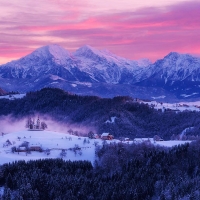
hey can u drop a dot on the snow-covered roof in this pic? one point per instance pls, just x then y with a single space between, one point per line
22 148
105 134
143 139
35 145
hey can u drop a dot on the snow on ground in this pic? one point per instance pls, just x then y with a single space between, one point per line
191 106
171 143
112 120
1 190
48 140
159 97
188 95
13 96
56 141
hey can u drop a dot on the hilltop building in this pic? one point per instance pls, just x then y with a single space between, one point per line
38 126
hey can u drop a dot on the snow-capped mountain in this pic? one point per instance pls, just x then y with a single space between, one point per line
176 67
86 64
99 72
46 60
103 66
177 73
54 66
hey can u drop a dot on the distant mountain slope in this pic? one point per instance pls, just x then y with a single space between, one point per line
99 72
86 64
107 67
176 73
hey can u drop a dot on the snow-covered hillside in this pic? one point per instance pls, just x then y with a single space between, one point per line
12 96
54 141
76 148
178 107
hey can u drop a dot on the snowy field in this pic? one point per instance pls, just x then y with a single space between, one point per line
12 96
56 141
181 106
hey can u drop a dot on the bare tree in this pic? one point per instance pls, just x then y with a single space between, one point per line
76 133
28 123
63 153
43 125
91 135
70 131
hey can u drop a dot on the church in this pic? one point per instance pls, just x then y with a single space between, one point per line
34 126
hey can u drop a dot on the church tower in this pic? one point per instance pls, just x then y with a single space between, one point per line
38 124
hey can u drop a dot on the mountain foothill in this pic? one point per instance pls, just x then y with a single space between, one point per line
121 116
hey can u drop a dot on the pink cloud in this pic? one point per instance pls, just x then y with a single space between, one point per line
148 32
145 33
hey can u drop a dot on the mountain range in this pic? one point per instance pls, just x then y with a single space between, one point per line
90 71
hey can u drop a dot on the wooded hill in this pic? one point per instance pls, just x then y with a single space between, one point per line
132 120
136 171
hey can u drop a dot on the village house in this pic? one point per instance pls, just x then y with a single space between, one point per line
157 138
140 140
126 139
35 148
96 136
21 149
106 136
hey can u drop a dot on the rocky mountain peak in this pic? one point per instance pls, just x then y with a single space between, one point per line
86 50
172 55
55 51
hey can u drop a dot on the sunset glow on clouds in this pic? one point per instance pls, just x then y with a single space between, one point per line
127 28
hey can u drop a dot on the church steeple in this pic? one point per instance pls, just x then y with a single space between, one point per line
38 123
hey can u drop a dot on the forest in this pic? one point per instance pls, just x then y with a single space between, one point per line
133 119
121 171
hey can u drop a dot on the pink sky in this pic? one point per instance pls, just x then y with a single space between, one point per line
127 28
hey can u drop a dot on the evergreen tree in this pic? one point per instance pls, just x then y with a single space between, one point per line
9 181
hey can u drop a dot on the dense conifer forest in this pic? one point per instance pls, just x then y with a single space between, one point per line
132 120
121 171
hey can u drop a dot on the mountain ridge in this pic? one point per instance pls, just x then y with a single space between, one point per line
84 70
